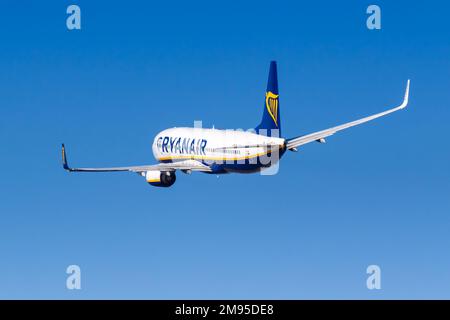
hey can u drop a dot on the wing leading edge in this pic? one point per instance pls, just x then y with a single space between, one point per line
293 143
192 165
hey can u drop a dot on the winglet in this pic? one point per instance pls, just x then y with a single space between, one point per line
406 98
64 158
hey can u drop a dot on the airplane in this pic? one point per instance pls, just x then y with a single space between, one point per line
217 151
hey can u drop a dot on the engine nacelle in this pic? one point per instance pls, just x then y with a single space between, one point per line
160 178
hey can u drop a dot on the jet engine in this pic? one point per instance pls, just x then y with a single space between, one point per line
160 178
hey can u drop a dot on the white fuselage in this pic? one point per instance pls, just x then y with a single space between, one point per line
232 149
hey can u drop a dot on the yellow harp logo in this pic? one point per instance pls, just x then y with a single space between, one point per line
272 105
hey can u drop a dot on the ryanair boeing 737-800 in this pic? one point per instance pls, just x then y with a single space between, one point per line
223 151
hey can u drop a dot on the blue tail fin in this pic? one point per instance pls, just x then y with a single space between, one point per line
271 115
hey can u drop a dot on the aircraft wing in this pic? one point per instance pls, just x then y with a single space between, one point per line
192 165
319 136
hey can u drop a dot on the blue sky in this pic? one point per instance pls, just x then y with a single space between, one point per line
375 194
